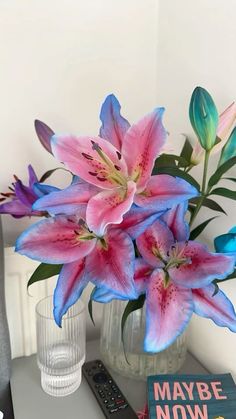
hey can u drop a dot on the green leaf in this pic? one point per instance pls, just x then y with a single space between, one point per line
197 230
209 203
169 160
131 306
231 276
214 179
90 306
165 160
227 193
191 209
175 171
187 150
49 173
44 271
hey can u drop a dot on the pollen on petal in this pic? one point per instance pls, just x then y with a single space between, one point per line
87 156
118 155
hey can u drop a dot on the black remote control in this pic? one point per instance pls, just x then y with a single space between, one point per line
111 400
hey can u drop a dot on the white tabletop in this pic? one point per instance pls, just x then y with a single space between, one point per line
30 402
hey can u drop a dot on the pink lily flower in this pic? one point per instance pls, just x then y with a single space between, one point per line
177 276
86 257
122 174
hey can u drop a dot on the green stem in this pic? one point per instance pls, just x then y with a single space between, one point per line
203 191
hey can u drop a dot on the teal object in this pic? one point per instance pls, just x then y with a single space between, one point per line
191 396
226 243
203 117
229 150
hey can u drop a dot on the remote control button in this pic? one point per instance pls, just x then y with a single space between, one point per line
110 381
105 401
100 391
119 402
100 377
115 391
99 365
119 396
110 405
113 410
112 399
97 386
123 406
109 393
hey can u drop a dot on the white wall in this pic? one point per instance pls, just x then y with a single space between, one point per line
58 60
196 46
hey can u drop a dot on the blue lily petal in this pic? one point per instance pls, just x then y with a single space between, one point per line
114 126
103 295
70 285
69 201
175 220
40 189
138 219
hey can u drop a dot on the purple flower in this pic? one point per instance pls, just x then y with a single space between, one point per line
22 197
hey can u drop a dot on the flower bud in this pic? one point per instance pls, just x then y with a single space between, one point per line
204 117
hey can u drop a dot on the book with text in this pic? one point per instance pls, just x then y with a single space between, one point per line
191 397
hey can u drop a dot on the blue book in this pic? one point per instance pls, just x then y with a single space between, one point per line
191 396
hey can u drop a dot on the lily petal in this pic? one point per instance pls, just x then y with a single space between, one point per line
69 201
156 240
203 266
142 275
111 268
15 208
218 308
32 176
164 191
138 219
53 240
114 126
80 156
141 146
24 193
102 295
108 207
175 220
168 312
40 189
70 284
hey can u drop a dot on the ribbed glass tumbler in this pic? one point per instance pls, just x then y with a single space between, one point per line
60 351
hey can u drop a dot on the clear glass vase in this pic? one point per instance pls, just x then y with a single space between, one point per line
141 364
60 350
